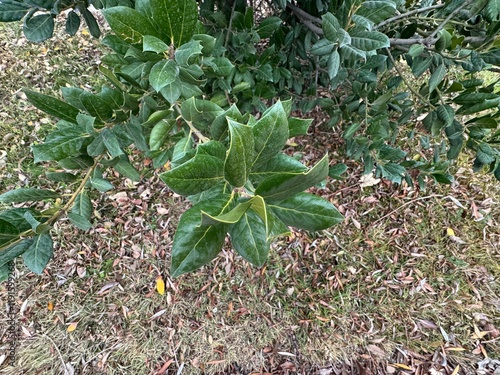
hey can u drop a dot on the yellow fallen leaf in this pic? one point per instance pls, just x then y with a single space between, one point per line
457 369
72 326
160 285
50 306
450 232
400 365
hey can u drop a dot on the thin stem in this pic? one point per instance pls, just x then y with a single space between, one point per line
193 129
406 82
230 25
407 14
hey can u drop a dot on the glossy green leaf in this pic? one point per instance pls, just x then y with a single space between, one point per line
307 211
207 42
129 24
249 238
322 47
52 106
175 20
172 92
268 26
336 171
96 106
91 22
38 253
282 186
230 217
330 26
187 53
446 113
298 126
195 245
270 133
82 206
39 28
391 171
333 64
163 73
154 44
61 144
8 232
27 195
183 151
219 128
240 155
196 175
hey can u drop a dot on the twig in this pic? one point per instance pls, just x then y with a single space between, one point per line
407 204
66 372
307 19
407 14
230 25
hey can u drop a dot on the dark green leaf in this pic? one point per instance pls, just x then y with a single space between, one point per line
393 172
436 77
12 252
101 184
333 64
322 47
72 23
196 175
52 106
111 142
336 171
268 26
369 40
278 164
160 133
27 195
38 253
307 211
91 22
387 152
249 238
13 11
188 52
8 232
61 176
282 186
82 206
79 221
96 106
59 145
298 126
446 114
126 169
194 245
201 113
39 28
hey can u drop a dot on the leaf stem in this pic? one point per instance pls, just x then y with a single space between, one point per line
195 131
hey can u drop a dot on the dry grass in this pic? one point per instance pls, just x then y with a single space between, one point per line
387 286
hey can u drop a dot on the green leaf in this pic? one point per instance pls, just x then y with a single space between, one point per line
278 164
219 127
13 11
175 20
249 238
134 131
194 245
230 217
172 92
268 26
101 184
163 73
436 77
393 172
96 106
336 171
61 176
72 23
240 155
485 153
59 145
322 47
201 113
153 44
38 253
298 126
91 22
196 175
351 130
369 40
111 142
27 195
276 227
82 206
129 24
52 106
416 50
126 169
282 186
307 211
333 64
446 114
377 10
79 221
4 272
492 10
207 42
39 28
185 53
160 133
270 134
330 26
8 232
12 252
183 151
16 217
96 147
387 152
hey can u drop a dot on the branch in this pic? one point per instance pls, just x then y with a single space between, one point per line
407 14
307 19
430 42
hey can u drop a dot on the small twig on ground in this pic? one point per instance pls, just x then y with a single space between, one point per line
407 204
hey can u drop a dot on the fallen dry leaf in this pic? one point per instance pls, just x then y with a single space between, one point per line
160 285
72 326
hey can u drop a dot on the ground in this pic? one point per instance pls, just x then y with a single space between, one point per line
407 284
